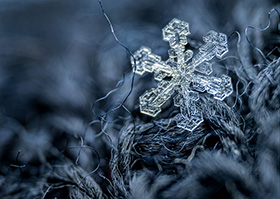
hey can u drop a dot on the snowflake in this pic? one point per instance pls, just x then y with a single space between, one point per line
182 74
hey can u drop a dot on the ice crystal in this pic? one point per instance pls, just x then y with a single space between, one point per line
183 74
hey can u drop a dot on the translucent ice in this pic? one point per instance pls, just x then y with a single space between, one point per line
182 68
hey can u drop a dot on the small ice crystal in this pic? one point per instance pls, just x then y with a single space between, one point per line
187 74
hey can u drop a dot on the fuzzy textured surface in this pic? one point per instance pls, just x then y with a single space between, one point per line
57 140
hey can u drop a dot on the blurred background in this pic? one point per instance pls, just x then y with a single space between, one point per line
57 57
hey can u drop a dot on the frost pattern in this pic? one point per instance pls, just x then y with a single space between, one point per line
182 74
